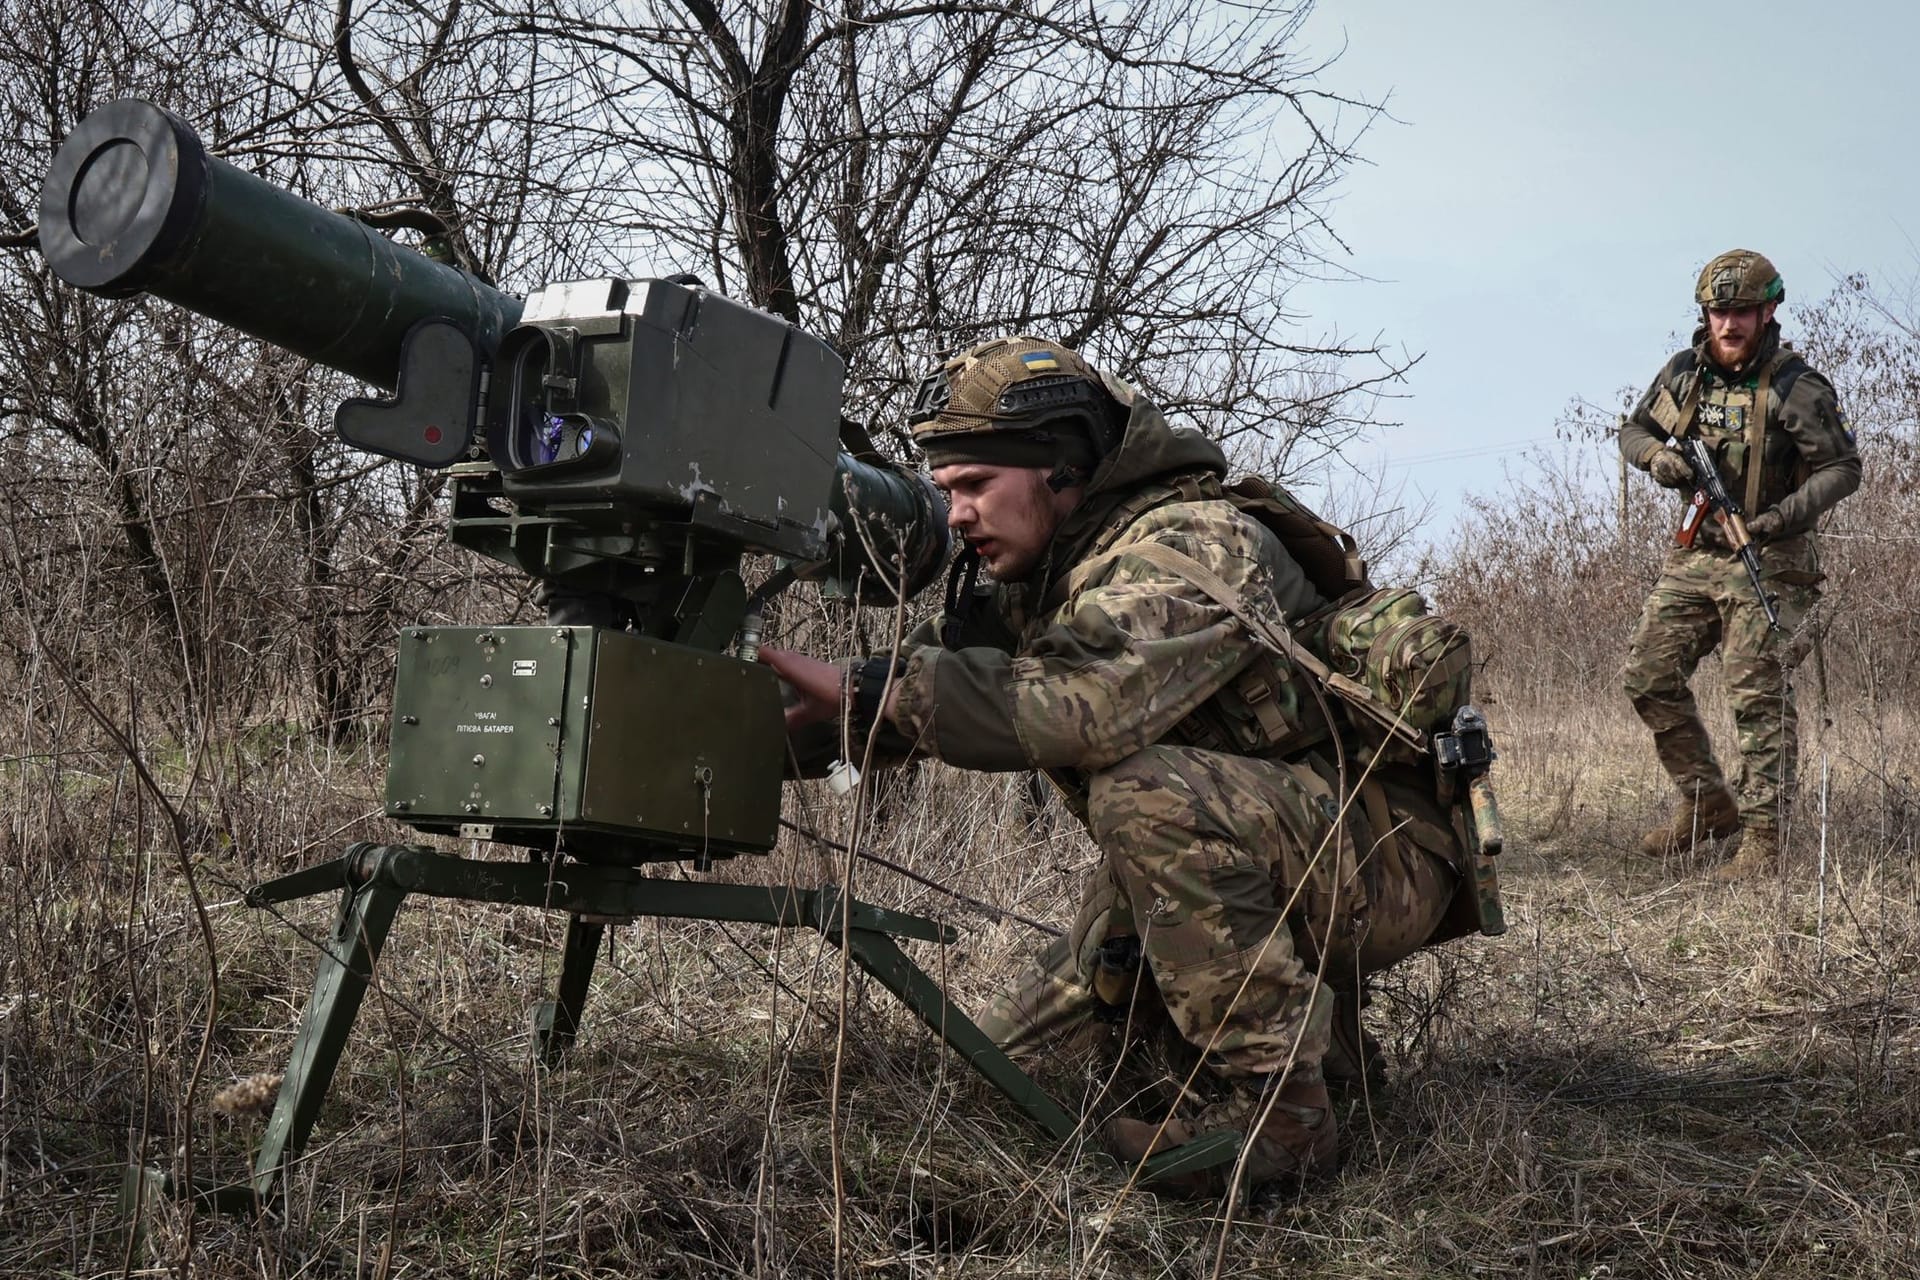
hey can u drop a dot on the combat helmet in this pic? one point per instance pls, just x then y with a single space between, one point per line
1738 278
1017 401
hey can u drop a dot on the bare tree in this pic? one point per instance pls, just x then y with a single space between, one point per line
1147 184
191 562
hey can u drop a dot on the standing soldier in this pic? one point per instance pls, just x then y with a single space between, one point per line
1775 430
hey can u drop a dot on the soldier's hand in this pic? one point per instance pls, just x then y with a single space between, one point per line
1669 469
818 686
1766 526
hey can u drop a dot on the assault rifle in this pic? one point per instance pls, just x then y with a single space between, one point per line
1711 497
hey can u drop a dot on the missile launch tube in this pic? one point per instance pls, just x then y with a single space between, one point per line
889 532
134 204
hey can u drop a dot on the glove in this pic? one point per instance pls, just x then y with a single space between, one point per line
1670 470
1766 526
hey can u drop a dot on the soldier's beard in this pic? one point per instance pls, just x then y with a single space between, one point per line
1729 356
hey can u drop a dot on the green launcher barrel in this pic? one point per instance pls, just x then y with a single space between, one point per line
134 204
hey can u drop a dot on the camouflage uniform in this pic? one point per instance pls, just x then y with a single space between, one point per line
1703 598
1400 895
1228 869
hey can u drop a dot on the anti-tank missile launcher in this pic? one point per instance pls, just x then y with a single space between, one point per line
627 442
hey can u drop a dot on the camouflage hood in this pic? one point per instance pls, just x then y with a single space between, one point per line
1150 452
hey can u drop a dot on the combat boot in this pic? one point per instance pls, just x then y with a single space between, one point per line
1758 858
1709 816
1298 1140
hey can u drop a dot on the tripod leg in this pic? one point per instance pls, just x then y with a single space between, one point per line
556 1022
880 956
366 914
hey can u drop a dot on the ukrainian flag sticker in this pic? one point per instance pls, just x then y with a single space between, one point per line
1040 362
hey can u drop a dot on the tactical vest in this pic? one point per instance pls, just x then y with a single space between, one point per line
1737 420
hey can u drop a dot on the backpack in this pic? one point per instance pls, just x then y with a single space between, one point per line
1380 669
1386 641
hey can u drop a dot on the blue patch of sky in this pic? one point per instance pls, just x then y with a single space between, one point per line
1532 218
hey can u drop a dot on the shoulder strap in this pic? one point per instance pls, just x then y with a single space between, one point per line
1690 404
1757 429
1326 553
1189 487
1786 373
1276 638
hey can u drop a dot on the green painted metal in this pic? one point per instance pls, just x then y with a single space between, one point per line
381 876
141 1186
880 956
889 534
1208 1151
686 747
476 724
623 402
610 745
134 203
376 879
713 616
346 966
618 891
556 1022
304 883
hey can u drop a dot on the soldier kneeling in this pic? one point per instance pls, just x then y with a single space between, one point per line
1245 883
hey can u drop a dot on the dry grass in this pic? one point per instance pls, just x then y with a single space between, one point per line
1649 1075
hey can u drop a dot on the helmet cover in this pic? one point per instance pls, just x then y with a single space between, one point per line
1738 278
1014 401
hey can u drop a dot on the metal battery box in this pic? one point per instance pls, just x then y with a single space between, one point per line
604 744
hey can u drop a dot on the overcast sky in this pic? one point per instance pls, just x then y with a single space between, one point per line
1559 172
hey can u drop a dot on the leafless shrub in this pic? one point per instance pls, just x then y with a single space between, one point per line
1641 1079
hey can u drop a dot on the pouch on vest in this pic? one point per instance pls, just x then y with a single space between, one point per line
1267 711
1417 664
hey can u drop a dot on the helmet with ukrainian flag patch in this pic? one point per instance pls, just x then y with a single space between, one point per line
1738 278
1015 401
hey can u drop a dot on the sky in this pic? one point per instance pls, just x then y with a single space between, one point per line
1533 218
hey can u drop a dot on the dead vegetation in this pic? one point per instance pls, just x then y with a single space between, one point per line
1648 1075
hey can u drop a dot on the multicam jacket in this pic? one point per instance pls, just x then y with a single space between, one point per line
1808 460
1072 672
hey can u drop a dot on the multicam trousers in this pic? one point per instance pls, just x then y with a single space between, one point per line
1247 900
1703 599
